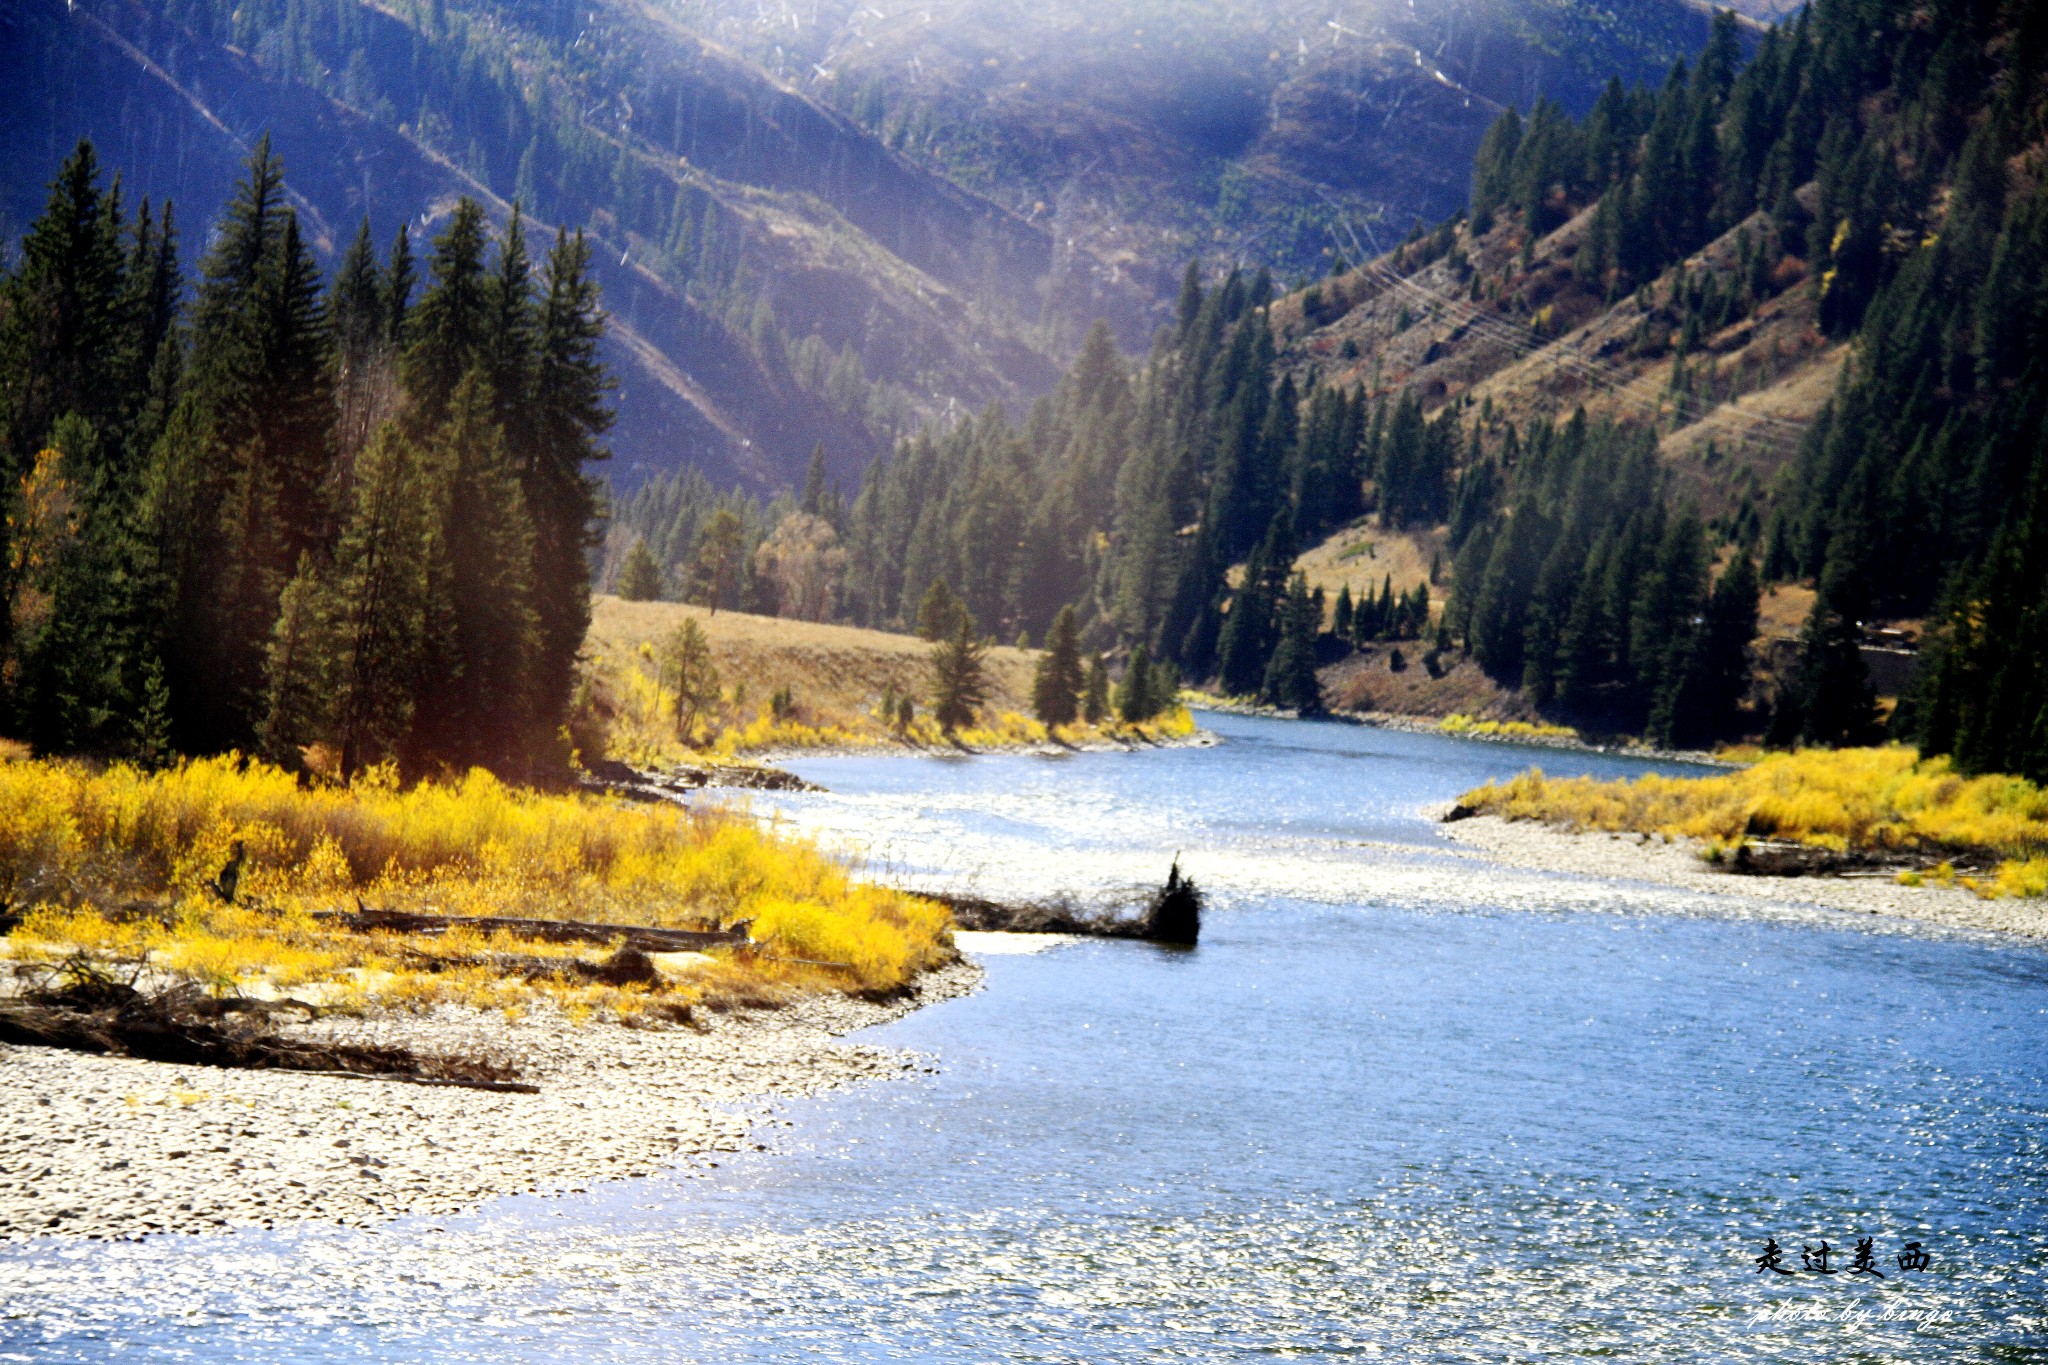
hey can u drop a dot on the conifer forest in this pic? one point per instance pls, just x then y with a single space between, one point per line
274 512
356 512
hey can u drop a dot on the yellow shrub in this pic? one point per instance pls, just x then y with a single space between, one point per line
1886 798
1457 723
86 844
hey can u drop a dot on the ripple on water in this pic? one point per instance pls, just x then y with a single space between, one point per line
1399 1105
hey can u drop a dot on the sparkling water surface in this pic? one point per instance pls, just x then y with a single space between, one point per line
1400 1104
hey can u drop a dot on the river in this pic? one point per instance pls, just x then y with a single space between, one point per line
1400 1104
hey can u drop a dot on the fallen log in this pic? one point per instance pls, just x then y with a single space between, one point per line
640 784
643 937
1171 913
113 1019
628 966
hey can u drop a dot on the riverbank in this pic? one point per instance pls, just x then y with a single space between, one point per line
1457 726
1678 862
110 1147
786 688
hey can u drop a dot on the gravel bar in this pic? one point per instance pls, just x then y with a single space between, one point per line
109 1147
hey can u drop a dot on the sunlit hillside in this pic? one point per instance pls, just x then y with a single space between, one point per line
831 680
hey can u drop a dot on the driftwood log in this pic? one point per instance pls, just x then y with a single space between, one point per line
646 939
640 784
1170 913
186 1028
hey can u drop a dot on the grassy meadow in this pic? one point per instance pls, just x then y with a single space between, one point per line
115 863
1885 799
836 679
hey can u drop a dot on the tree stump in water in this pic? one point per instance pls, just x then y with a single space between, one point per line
1175 915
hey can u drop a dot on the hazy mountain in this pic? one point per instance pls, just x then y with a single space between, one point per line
1156 130
834 233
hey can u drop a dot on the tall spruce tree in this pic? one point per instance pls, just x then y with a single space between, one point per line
1290 678
1056 686
959 678
569 411
475 702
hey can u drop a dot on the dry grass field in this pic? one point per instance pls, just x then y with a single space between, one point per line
837 679
836 673
1361 556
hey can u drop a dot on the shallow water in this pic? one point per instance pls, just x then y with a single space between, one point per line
1399 1104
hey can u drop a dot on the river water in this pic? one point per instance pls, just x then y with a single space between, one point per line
1400 1104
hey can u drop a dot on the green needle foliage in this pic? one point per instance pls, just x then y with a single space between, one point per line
1057 685
295 515
959 678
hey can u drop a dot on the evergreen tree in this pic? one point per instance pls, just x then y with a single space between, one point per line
940 613
1830 701
640 576
234 491
813 502
449 331
685 664
1056 687
60 315
1134 699
475 702
1095 696
347 653
568 412
719 560
1253 626
959 678
1290 678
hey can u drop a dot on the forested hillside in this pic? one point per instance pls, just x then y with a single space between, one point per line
778 278
800 249
1774 319
332 522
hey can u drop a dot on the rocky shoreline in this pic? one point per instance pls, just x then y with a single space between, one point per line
1677 863
1433 725
1199 739
110 1147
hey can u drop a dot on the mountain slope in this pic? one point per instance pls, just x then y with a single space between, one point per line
825 255
1155 131
715 283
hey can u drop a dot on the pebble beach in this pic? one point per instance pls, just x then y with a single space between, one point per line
110 1147
1677 863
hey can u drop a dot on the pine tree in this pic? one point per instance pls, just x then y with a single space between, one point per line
1254 623
959 678
233 495
346 657
60 315
474 706
449 331
640 576
568 413
1134 701
400 277
1056 686
1830 701
686 665
1290 677
940 613
719 559
813 502
1095 696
